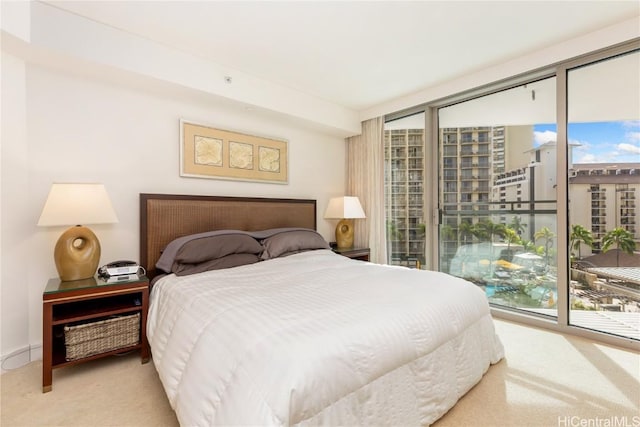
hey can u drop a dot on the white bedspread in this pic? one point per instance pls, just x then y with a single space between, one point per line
317 338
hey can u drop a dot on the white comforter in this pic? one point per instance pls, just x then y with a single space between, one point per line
317 338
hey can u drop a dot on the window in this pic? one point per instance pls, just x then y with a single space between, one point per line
604 292
515 176
404 183
450 150
510 256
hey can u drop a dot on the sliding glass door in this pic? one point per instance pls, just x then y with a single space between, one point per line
497 195
603 130
537 193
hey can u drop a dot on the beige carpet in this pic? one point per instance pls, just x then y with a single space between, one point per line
547 379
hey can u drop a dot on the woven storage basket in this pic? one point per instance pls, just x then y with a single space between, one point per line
99 337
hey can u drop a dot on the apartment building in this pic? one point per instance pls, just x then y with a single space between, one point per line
603 196
404 178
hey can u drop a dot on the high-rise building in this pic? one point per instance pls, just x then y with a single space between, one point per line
404 178
603 196
466 174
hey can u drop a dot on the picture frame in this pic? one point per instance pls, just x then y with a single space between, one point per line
208 152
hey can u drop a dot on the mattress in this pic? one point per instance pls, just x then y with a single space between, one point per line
317 338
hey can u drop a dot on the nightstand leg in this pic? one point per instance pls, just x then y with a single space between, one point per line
47 347
144 348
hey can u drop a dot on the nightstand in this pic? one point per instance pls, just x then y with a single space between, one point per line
361 254
88 319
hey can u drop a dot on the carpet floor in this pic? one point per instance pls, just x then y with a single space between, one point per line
546 379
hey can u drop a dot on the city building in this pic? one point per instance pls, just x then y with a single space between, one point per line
603 197
404 178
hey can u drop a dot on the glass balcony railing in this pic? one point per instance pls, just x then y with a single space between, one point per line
519 271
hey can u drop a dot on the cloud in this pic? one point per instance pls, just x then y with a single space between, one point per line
540 138
580 145
632 136
587 158
621 145
629 148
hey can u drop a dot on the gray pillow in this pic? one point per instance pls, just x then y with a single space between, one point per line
202 247
233 260
287 242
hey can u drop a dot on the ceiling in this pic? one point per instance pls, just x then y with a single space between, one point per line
357 54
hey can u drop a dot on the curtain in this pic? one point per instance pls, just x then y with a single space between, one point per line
365 179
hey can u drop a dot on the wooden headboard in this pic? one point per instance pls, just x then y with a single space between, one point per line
165 217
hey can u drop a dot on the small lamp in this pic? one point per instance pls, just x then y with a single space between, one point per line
77 252
345 209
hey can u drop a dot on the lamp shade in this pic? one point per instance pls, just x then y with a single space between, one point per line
344 207
77 203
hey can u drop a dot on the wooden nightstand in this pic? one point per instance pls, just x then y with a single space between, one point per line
103 306
354 253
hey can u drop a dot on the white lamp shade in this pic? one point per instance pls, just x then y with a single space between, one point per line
77 204
344 207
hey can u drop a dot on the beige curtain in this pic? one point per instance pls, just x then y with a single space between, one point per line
365 179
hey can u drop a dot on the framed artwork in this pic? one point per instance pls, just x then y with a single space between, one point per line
207 152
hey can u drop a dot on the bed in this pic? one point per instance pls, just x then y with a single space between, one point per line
302 335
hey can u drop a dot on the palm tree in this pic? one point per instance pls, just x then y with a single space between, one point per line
446 231
495 229
517 225
620 237
580 235
466 231
480 232
421 234
421 231
511 236
395 237
547 235
528 245
486 229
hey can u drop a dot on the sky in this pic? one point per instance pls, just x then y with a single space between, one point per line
598 142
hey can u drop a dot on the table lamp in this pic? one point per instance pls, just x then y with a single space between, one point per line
346 209
77 252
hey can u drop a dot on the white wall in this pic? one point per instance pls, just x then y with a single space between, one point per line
15 232
59 126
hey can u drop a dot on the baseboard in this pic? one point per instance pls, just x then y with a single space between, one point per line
36 352
20 357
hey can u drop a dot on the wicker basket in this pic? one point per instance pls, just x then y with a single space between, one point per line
99 337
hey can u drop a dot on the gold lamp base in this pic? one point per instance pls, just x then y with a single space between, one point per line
77 254
344 233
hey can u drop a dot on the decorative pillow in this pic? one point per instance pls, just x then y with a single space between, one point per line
233 260
202 247
289 241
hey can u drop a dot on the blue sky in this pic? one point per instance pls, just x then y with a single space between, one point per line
599 142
